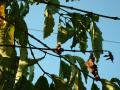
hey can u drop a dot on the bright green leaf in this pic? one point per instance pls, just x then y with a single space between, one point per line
23 64
9 40
96 39
107 85
11 34
78 85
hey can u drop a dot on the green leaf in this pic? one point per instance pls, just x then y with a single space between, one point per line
22 38
24 9
65 70
20 32
23 84
79 21
107 85
14 11
31 73
10 35
52 86
94 87
7 62
95 17
54 9
116 80
23 64
60 84
41 84
96 39
81 24
64 34
49 23
83 40
83 67
72 60
78 85
9 40
73 70
80 61
75 41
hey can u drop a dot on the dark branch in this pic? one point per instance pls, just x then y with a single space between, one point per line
51 49
84 11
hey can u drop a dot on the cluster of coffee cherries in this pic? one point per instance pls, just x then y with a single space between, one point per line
59 49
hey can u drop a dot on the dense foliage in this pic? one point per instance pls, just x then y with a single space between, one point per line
17 72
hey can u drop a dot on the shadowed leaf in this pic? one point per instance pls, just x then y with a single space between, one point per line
83 67
31 73
94 87
116 80
54 9
65 70
60 84
48 23
23 84
83 40
52 86
41 84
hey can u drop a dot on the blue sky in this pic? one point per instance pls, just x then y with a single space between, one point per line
110 29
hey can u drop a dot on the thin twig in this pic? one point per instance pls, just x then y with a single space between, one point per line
45 51
32 53
85 11
64 58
